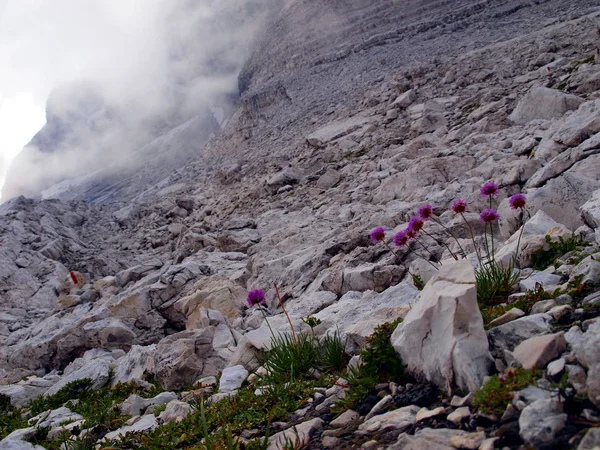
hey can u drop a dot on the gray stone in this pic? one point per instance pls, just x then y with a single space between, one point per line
454 352
539 350
143 424
336 130
511 334
138 362
590 210
543 278
176 411
182 358
299 435
344 419
405 100
543 103
96 370
591 440
459 415
398 420
9 444
232 378
541 422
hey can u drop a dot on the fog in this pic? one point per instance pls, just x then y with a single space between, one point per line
120 70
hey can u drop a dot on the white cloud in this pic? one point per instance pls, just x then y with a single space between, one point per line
136 49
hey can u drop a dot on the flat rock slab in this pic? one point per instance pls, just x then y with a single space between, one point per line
540 350
336 130
299 435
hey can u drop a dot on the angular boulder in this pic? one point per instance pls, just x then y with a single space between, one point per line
442 337
543 103
182 358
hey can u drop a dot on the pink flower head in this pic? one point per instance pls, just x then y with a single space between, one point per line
411 233
459 206
489 215
489 189
401 238
416 224
517 201
256 297
377 235
502 377
425 212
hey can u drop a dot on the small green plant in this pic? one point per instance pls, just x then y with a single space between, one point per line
311 321
417 281
289 359
10 417
496 394
333 357
545 258
495 280
71 391
379 363
524 303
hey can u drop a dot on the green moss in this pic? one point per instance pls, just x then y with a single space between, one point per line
495 395
379 363
10 417
545 258
524 303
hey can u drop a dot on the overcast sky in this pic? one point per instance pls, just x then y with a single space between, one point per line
122 43
47 42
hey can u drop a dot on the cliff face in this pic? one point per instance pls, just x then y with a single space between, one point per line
351 115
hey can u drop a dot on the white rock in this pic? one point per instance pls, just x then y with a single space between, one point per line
145 423
541 421
442 337
590 210
299 435
556 367
543 103
232 378
398 419
539 350
175 412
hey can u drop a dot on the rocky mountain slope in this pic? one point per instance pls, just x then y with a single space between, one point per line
351 115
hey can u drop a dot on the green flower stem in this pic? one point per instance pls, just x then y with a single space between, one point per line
449 233
442 243
265 316
472 238
424 247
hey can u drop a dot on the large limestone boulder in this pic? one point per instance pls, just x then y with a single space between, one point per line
562 197
590 211
138 362
97 370
182 358
442 337
217 293
586 347
543 103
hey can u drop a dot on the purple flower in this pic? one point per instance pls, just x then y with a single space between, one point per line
425 211
502 377
377 235
411 233
489 189
256 297
416 224
489 215
401 238
517 201
459 206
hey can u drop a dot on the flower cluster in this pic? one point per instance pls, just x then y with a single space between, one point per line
459 206
256 297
